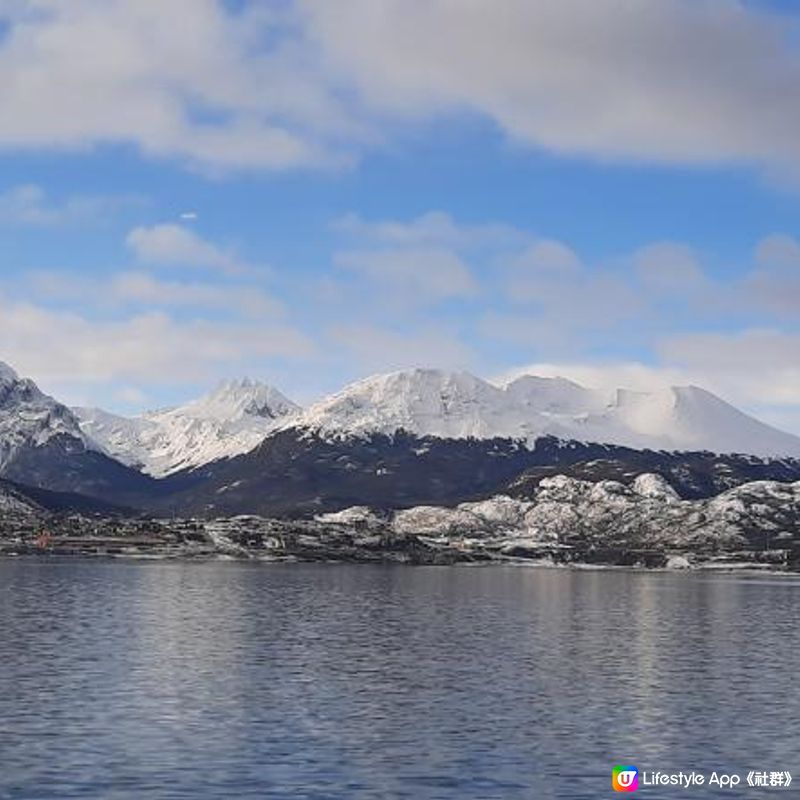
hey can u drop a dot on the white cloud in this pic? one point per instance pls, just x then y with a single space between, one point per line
113 329
312 83
669 267
378 349
774 283
778 249
421 261
435 228
420 274
542 272
186 79
67 347
537 333
28 204
757 366
642 302
176 245
554 299
134 289
663 80
140 288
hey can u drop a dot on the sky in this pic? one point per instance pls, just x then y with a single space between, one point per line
307 193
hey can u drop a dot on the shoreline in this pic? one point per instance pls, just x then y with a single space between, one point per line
701 567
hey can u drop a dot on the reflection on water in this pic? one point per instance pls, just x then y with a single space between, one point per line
221 680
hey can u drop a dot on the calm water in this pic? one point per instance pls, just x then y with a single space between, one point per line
227 680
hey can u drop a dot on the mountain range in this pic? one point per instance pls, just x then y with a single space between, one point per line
458 405
395 440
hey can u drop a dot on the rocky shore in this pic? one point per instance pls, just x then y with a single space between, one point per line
563 521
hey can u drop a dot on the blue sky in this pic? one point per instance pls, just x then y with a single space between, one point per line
198 190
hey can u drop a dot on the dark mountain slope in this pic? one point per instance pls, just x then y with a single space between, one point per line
296 472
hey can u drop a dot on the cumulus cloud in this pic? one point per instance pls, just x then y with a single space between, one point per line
176 245
310 83
68 347
189 78
665 80
555 302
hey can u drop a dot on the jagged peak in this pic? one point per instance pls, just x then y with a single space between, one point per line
30 418
233 399
231 385
7 373
232 418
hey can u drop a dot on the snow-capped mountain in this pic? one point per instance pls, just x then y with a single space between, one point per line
232 419
239 415
392 441
457 405
43 447
29 418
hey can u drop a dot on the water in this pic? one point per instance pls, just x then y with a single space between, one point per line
233 680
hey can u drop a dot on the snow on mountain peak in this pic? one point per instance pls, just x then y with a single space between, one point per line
422 401
554 395
7 374
235 399
236 416
428 402
232 419
30 418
